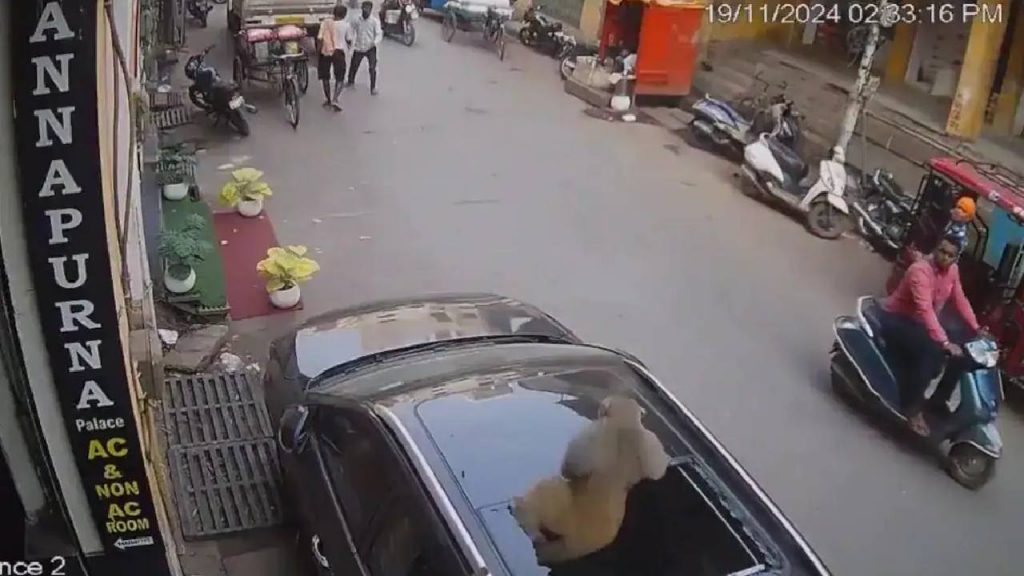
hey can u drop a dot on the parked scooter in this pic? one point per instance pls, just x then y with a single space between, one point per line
882 211
865 371
778 172
723 128
218 98
397 20
199 9
542 33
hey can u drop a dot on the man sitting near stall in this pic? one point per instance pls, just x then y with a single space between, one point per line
910 324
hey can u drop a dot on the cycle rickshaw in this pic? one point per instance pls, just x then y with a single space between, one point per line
274 55
486 16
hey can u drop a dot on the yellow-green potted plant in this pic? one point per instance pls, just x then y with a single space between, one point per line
284 268
246 191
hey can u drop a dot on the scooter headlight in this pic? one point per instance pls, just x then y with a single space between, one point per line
983 352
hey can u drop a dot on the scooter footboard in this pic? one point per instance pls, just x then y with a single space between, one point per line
985 438
876 378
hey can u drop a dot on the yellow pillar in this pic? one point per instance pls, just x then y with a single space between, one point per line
1013 81
899 53
590 20
967 113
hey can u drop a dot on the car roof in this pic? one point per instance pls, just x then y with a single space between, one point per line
492 418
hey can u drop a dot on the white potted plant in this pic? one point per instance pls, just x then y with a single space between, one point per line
182 250
175 169
284 269
246 191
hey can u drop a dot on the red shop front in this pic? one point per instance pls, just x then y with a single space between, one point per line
664 34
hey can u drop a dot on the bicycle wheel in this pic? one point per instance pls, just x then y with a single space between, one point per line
291 101
302 74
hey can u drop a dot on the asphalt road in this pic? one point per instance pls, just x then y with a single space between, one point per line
466 173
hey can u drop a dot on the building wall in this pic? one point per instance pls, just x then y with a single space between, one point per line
121 165
23 305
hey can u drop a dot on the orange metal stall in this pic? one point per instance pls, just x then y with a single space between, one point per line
664 34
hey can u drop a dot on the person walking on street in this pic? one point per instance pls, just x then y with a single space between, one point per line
368 35
336 38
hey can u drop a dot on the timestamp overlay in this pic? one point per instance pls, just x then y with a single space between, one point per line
882 14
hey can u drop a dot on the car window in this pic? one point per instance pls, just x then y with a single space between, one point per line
357 462
401 545
381 504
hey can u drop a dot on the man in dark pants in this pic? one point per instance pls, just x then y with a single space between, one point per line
336 37
368 35
911 325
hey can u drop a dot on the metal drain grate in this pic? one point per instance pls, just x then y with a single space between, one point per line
163 100
206 408
226 487
177 116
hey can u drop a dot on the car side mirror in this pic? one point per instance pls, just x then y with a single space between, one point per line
291 432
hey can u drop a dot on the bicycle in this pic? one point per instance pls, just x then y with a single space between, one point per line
293 68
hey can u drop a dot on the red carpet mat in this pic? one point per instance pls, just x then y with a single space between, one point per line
243 242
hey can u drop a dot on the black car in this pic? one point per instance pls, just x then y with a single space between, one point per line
408 427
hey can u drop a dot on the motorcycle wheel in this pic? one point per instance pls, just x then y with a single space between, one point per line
238 122
197 98
527 37
698 138
291 102
824 221
408 33
969 466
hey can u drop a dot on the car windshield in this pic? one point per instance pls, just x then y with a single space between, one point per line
506 440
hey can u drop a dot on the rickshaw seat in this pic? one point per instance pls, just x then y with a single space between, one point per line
290 32
253 35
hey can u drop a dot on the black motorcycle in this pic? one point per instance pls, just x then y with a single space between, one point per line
199 9
396 19
882 211
544 34
218 98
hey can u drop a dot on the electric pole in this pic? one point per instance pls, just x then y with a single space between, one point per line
865 85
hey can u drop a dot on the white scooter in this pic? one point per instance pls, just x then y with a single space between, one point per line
779 172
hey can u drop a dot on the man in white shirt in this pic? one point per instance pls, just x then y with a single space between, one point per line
336 38
368 34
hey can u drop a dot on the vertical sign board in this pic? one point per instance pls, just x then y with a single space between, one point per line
55 97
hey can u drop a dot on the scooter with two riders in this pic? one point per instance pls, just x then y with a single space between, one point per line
869 374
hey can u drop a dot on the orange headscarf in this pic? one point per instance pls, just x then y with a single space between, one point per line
967 206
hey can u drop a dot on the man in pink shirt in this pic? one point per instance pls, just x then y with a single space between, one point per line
912 326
